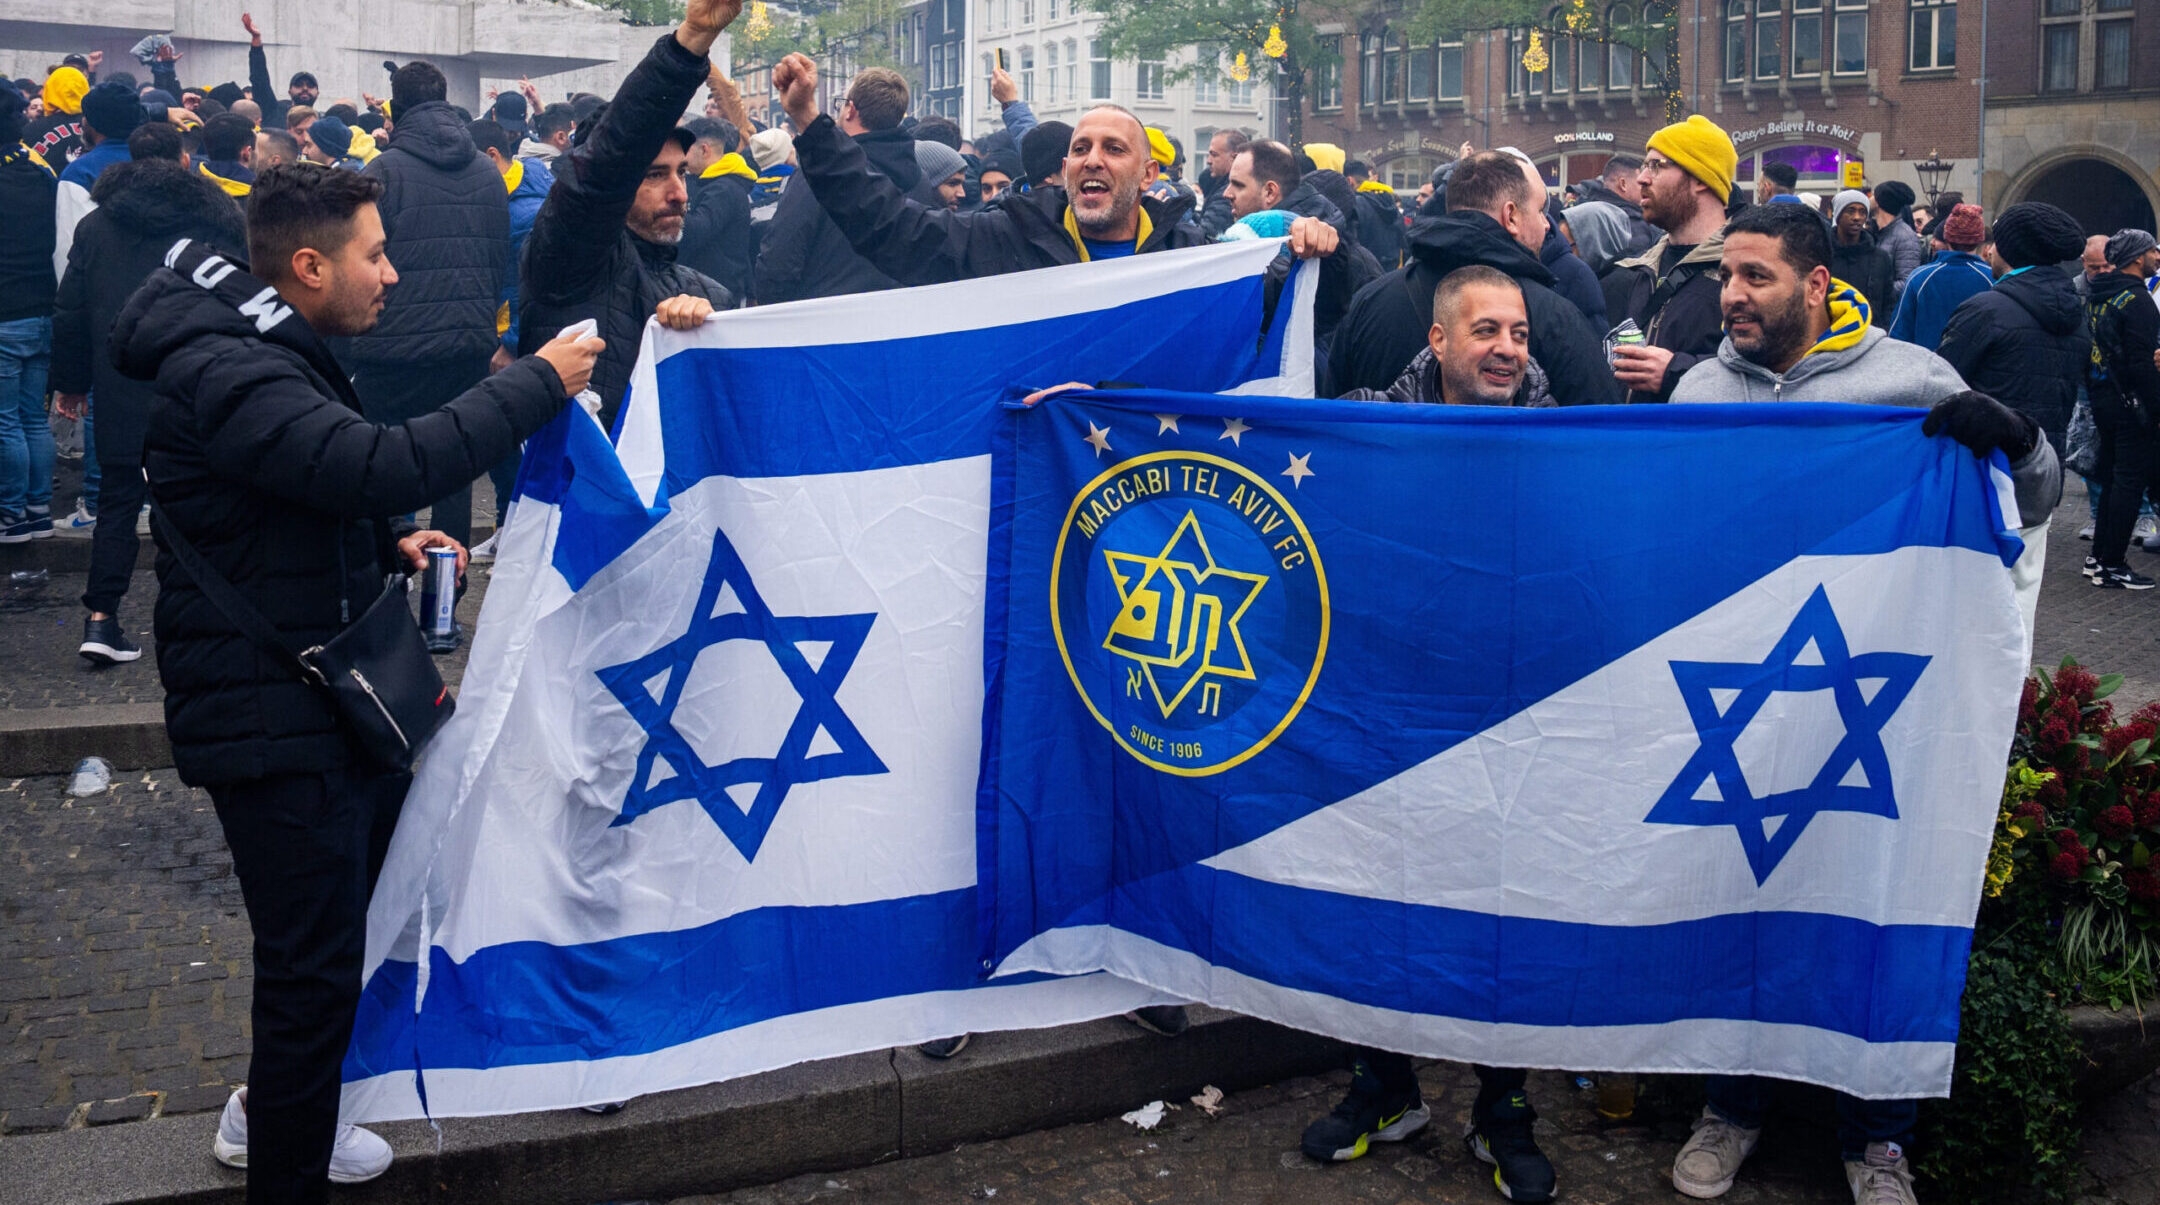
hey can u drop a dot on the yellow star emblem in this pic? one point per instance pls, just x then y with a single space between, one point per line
1178 614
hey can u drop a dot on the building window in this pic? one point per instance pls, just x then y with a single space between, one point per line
1620 62
1807 38
2058 58
1451 61
1239 95
989 67
1050 10
1934 35
1851 23
1148 81
2111 61
1027 12
1368 68
1407 174
1050 68
1204 89
1560 76
1072 70
1422 63
1590 67
1736 40
1098 69
1518 79
1327 81
1768 25
1027 74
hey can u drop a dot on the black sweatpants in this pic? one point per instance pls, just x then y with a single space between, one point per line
1495 1084
2128 470
113 543
396 393
306 848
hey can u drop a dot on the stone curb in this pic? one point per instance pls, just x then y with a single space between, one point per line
51 740
829 1115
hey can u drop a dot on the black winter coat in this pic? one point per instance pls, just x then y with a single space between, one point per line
916 245
1389 319
802 254
1868 269
1380 226
2025 344
1351 267
717 239
1690 323
144 207
2125 331
1573 279
580 260
28 196
258 454
448 218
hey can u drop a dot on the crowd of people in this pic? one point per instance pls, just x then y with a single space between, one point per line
288 329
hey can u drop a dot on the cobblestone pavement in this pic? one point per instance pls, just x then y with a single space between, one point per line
2109 631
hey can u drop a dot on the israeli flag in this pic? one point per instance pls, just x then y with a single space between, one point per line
1628 738
707 804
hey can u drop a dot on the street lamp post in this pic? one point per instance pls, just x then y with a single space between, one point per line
1934 170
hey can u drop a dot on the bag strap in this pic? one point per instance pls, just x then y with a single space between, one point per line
227 599
1673 282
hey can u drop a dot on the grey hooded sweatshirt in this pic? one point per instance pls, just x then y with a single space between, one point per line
1877 371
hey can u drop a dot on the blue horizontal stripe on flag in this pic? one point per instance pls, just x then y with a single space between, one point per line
1879 983
530 1002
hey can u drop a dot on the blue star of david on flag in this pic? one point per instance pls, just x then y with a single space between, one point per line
650 688
1856 776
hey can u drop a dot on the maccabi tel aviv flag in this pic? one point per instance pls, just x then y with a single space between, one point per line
707 807
1310 710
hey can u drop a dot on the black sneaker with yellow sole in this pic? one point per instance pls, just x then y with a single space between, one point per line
1367 1115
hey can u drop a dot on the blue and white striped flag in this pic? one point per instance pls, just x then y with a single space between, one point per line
1629 738
707 805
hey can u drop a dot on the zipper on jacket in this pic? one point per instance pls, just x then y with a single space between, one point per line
377 700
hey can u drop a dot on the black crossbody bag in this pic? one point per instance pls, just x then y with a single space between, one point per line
378 672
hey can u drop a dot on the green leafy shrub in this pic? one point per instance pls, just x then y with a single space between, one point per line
2009 1131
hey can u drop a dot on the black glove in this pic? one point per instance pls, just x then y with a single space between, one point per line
1982 424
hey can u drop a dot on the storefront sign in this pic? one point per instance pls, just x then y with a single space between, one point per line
1584 136
1855 173
1783 129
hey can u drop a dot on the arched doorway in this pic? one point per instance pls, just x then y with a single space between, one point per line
2101 196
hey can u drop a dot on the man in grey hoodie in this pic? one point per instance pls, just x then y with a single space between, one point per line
1793 333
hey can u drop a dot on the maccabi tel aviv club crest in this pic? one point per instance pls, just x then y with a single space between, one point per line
1190 605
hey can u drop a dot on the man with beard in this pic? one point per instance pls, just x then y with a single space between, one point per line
1100 213
1796 334
1477 354
258 457
1222 149
1670 291
301 91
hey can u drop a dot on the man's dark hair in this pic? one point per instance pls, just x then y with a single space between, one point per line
1487 180
370 121
1357 167
344 112
416 83
208 108
490 136
1271 160
554 119
1784 175
935 129
191 140
880 97
1803 238
301 205
1042 151
154 140
717 130
1620 167
282 142
225 134
584 105
1238 139
1449 292
125 78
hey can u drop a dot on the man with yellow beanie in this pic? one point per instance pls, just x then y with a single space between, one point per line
1670 291
57 136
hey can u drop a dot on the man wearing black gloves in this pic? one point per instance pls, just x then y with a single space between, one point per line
2125 390
257 454
604 244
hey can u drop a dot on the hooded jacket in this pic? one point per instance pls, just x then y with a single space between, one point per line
257 453
717 239
1902 243
28 192
1380 223
1855 362
1602 235
1420 382
143 209
1690 321
234 178
72 200
1389 319
802 254
581 261
1934 292
1641 234
447 216
57 137
2024 343
1867 268
2125 330
915 245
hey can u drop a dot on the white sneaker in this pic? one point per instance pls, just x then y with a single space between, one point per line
2085 532
2145 529
1712 1157
1882 1177
80 520
357 1157
484 550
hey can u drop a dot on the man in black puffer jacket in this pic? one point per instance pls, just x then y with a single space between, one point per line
604 244
2024 342
258 456
145 204
803 254
1390 318
448 216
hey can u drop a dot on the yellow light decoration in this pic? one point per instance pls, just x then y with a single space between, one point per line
1240 70
1580 19
760 22
1534 59
1274 47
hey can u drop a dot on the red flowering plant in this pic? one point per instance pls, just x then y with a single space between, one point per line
2079 827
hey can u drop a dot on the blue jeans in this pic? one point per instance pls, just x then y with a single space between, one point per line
26 445
1744 1100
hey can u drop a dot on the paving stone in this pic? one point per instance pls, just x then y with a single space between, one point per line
128 1108
39 1120
199 1099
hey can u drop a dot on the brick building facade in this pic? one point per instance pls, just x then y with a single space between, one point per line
2073 108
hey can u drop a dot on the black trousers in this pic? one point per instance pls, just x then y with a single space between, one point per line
1495 1084
2128 469
307 848
113 542
396 393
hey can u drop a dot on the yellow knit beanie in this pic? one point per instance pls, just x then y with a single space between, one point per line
1703 150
